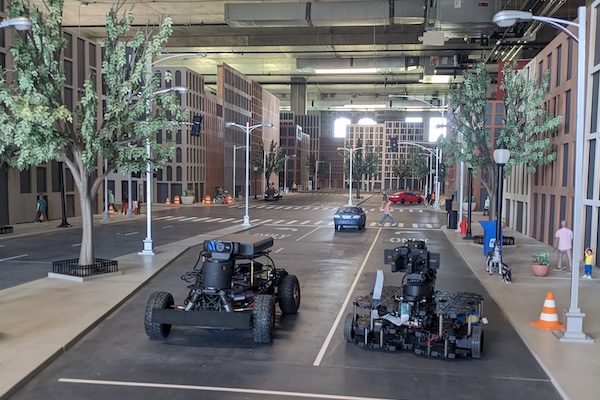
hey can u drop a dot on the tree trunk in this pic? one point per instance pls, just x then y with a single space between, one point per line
86 253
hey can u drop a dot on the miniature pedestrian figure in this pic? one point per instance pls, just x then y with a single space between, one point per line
486 206
111 201
453 193
387 214
383 201
588 260
124 204
40 209
432 200
563 242
136 207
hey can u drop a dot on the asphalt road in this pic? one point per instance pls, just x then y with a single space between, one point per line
309 357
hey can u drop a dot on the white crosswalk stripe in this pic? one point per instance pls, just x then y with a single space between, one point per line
270 221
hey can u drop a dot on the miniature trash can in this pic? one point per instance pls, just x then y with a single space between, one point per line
489 235
452 221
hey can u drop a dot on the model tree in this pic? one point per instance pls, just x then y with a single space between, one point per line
39 127
271 162
525 133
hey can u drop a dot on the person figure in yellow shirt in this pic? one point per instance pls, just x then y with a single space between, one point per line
588 260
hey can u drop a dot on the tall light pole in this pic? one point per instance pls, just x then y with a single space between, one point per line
235 148
247 129
442 110
501 157
285 188
329 175
470 169
350 151
317 173
574 323
148 244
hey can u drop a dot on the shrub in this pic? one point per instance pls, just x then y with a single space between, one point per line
541 257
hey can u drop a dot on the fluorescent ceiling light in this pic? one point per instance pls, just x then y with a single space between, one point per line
413 119
365 105
436 79
341 71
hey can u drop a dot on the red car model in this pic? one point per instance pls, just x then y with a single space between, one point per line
405 197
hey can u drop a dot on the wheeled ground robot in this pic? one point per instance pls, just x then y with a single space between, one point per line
414 316
236 287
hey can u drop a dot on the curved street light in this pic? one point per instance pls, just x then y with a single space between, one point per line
247 129
148 244
437 171
19 23
574 316
350 151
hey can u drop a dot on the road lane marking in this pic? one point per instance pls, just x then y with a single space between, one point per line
292 221
302 237
13 257
275 393
277 251
305 222
321 354
168 226
131 233
227 220
188 219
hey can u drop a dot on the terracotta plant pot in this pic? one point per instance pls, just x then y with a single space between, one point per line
540 269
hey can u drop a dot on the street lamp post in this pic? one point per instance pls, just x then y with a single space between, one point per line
441 109
19 23
574 321
501 157
247 129
148 244
350 151
285 188
317 174
235 148
329 175
470 194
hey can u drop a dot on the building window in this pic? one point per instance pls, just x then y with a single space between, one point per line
40 175
568 111
558 64
565 172
25 178
570 59
169 173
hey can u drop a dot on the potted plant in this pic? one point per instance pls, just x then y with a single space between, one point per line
540 264
188 197
466 203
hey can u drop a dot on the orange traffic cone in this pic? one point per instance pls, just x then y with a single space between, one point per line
176 201
168 202
548 317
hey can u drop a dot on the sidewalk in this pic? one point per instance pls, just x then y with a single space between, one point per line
572 367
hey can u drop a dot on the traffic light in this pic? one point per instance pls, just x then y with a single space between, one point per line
442 171
394 144
196 125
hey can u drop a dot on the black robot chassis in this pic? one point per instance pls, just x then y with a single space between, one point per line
414 316
236 287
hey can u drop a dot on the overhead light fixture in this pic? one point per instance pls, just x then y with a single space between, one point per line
413 119
347 106
344 71
436 79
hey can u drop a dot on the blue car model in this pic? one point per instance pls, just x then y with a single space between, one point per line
349 217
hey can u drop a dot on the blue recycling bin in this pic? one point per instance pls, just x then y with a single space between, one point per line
489 235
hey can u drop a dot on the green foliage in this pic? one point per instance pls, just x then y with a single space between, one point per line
541 257
466 199
37 125
527 125
273 160
525 133
188 192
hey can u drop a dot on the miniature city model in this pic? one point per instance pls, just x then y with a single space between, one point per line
236 287
414 316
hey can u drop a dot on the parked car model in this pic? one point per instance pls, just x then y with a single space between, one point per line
405 197
349 217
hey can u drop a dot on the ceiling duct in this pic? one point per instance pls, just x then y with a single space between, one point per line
387 64
462 18
348 13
